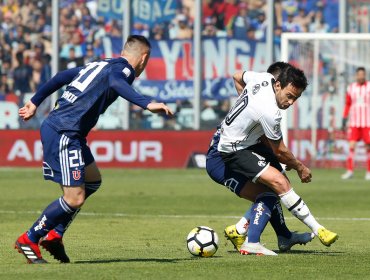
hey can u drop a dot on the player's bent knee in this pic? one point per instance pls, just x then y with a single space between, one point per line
74 196
279 184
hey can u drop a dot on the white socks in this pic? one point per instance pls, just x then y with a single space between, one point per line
298 208
242 226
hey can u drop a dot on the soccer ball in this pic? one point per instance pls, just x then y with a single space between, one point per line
202 241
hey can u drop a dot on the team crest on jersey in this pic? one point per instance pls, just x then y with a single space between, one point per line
76 174
256 88
265 83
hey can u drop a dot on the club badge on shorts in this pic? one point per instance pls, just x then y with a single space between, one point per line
76 174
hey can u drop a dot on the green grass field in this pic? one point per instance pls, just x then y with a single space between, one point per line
135 228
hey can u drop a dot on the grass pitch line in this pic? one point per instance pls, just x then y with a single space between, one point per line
175 216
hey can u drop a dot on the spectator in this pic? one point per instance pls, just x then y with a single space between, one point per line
210 29
46 69
303 19
140 29
90 55
226 10
22 75
159 32
241 23
290 26
318 24
260 26
180 28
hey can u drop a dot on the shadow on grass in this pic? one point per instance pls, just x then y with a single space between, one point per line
155 260
312 252
303 252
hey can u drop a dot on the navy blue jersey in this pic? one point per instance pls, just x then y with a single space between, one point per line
89 94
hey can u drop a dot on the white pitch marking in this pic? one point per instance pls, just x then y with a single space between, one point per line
179 216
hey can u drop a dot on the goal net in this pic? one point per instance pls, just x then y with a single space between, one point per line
312 127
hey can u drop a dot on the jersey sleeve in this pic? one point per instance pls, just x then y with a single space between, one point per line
123 89
60 79
271 125
248 76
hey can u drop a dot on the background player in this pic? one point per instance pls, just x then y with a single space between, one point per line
67 158
255 114
236 181
356 116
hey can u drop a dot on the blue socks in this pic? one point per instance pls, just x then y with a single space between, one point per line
278 222
261 214
58 212
90 188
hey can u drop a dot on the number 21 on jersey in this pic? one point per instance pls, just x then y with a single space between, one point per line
86 75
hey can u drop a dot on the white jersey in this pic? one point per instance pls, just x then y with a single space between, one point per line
254 114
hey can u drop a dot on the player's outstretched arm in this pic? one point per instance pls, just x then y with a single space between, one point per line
159 108
284 155
55 83
27 111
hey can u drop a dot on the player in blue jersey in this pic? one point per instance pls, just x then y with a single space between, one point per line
236 182
67 158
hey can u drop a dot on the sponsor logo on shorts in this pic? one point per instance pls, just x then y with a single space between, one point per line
41 223
262 163
76 174
259 211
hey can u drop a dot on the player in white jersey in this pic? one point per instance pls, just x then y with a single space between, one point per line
251 143
239 232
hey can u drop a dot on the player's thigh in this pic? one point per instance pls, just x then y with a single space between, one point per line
354 135
365 135
275 180
250 162
218 172
92 173
63 162
251 190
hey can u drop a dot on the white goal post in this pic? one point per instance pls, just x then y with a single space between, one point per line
317 53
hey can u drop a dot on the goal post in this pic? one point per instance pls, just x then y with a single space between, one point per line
311 128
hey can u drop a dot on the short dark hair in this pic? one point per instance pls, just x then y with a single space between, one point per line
294 76
276 68
140 38
358 69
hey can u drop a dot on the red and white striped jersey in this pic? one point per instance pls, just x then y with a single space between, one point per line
357 106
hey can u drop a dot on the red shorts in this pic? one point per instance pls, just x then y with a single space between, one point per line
359 133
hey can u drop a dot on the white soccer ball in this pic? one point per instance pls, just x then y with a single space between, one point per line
202 241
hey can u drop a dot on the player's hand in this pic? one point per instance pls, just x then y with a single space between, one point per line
304 174
27 111
159 108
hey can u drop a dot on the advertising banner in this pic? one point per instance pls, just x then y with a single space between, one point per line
136 149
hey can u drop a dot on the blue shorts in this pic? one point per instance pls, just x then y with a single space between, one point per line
65 158
219 173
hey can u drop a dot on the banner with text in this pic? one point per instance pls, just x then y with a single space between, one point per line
139 149
148 12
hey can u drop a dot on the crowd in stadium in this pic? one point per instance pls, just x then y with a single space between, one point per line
25 38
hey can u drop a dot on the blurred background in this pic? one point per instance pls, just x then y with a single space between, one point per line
196 48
